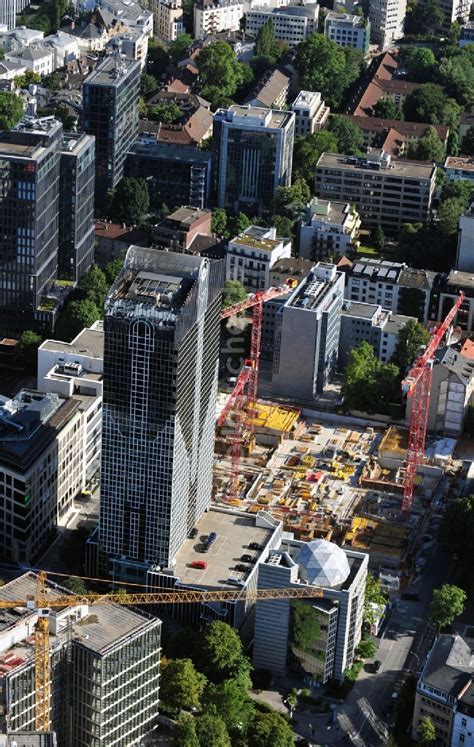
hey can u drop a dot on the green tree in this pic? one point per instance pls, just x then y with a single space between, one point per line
211 730
373 595
131 201
429 103
410 339
305 625
307 151
112 269
292 201
219 654
378 237
349 137
426 731
386 108
169 113
28 349
321 66
233 293
69 121
366 649
360 376
179 47
270 730
147 85
220 73
219 222
157 60
11 110
76 316
75 584
239 223
452 145
427 18
449 212
229 701
411 302
447 603
95 286
467 143
181 686
457 528
419 63
186 735
283 225
427 148
52 82
2 53
462 190
265 43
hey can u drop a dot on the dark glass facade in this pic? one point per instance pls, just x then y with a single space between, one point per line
161 346
29 208
110 112
76 207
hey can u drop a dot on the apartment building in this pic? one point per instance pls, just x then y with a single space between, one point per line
271 91
75 369
104 669
214 16
110 112
459 167
348 31
179 229
253 151
367 322
127 13
444 688
251 255
386 193
331 229
391 135
307 334
37 57
387 21
315 638
391 285
168 17
161 350
293 23
311 112
445 294
465 253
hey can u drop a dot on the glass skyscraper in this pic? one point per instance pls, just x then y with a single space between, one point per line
161 347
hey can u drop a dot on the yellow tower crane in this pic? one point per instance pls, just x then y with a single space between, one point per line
42 603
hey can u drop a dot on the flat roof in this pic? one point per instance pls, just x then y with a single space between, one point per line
400 168
465 279
359 309
276 118
89 342
110 72
234 534
465 163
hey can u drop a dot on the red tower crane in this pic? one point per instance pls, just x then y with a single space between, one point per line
243 398
417 386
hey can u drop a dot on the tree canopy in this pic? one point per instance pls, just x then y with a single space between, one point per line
75 584
292 202
425 18
418 62
270 729
307 152
349 137
266 51
410 339
181 686
426 731
179 47
186 735
75 316
323 65
467 143
368 384
386 108
457 528
131 201
147 85
168 113
220 73
427 148
229 701
447 603
219 222
95 286
234 292
430 104
373 595
11 110
211 730
28 349
157 59
219 654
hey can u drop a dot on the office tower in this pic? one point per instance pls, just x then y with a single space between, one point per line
253 156
29 207
110 112
104 670
307 334
9 10
76 206
161 347
293 23
387 21
315 638
348 31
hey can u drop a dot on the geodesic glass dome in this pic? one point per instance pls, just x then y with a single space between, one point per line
322 563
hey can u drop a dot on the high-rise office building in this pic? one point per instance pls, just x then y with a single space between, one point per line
253 156
387 21
9 10
29 209
161 350
76 206
110 112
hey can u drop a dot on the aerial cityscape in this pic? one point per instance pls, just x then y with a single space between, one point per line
236 373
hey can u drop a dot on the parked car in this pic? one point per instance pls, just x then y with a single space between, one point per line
255 546
212 538
376 666
241 567
235 581
247 558
200 564
193 533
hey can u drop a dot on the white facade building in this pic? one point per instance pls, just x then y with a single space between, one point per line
65 47
330 230
130 13
213 16
347 30
38 57
251 255
311 112
387 21
459 167
293 23
465 255
19 38
168 21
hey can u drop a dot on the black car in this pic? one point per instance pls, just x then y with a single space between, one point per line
193 533
246 558
411 596
241 567
376 666
255 546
